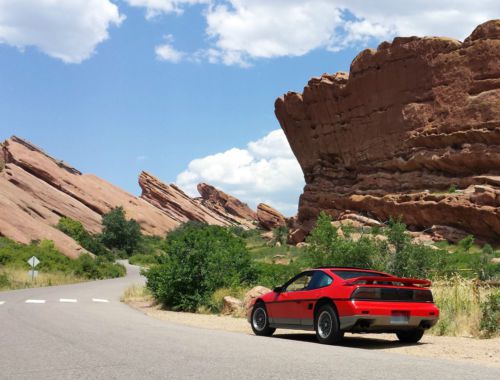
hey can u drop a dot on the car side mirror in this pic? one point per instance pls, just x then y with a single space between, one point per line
278 289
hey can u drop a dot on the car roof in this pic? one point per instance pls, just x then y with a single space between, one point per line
348 268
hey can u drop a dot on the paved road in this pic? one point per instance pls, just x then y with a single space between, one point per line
95 339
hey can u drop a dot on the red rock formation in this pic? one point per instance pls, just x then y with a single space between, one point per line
36 191
219 200
182 208
411 119
269 218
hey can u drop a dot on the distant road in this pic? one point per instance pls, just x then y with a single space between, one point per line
83 332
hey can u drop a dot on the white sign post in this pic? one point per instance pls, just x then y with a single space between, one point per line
33 262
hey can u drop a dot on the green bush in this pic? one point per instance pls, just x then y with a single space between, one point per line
466 243
200 259
16 255
272 275
280 235
144 260
4 281
120 233
328 247
490 315
452 189
75 230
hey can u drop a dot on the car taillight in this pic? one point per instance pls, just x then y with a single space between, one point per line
367 294
422 296
392 294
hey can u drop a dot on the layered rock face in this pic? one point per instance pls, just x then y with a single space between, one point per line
36 191
228 203
270 218
410 120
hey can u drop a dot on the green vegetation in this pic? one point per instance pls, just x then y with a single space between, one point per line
490 315
120 233
199 260
76 230
56 267
197 265
452 189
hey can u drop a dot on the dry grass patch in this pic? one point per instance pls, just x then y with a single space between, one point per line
136 293
459 301
18 279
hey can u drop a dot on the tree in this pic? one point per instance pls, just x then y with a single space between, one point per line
120 233
199 260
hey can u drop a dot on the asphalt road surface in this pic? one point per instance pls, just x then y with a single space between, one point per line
83 332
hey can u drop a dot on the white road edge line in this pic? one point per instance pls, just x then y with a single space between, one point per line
68 300
2 302
99 300
35 301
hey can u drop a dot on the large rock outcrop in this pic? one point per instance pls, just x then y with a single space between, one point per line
270 218
36 190
410 120
219 200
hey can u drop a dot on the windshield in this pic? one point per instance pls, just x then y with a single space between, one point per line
348 274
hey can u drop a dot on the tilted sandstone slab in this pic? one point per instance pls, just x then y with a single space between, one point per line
36 191
181 207
389 138
227 202
270 218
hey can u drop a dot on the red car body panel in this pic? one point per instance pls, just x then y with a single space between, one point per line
296 309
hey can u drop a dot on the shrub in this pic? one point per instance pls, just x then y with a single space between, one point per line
120 233
144 260
466 243
76 230
271 275
199 260
490 315
280 235
4 281
452 189
328 247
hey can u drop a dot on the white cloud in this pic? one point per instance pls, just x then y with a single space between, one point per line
242 31
166 51
266 171
157 7
68 30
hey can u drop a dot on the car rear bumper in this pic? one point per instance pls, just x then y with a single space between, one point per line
384 323
373 316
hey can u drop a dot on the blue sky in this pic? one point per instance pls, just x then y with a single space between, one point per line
108 104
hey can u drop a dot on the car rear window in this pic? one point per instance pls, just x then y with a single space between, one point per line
348 274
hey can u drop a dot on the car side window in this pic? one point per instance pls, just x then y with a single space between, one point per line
319 280
300 283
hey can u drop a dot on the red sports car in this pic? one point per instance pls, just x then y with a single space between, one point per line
335 300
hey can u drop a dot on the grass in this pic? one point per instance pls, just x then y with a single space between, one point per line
459 301
136 293
13 278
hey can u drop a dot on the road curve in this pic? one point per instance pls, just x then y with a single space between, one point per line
82 331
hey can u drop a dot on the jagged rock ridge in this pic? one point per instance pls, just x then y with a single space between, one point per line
36 191
410 120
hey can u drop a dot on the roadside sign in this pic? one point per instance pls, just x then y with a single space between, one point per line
33 274
33 261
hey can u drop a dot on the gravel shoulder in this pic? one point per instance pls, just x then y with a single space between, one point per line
478 351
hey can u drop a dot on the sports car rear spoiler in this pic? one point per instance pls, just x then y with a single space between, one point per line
383 279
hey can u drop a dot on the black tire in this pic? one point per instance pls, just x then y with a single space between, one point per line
326 324
260 321
412 336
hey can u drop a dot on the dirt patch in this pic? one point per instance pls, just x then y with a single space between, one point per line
479 351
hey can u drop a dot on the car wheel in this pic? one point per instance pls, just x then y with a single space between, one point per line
412 336
260 321
327 325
